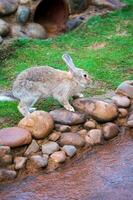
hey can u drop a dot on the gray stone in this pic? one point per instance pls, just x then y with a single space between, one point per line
32 148
7 7
20 162
50 148
17 31
73 23
71 139
121 101
126 88
96 136
39 161
35 30
70 150
66 117
110 130
78 5
7 174
4 28
23 14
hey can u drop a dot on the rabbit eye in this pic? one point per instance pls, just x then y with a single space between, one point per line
85 75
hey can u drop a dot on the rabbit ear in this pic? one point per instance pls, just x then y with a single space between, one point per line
68 60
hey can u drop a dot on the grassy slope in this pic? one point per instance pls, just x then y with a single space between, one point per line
110 65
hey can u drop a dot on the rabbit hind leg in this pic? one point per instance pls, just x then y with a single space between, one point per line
25 106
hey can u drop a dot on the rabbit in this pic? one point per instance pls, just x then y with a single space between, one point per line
35 83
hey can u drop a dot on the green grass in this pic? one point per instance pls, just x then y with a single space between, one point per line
109 65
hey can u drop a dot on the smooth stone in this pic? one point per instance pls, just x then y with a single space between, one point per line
1 40
58 156
73 23
71 139
130 121
4 28
35 30
20 162
96 135
24 1
89 141
50 148
100 111
90 125
17 31
23 14
110 130
14 137
122 112
54 136
6 174
32 148
8 7
39 161
39 123
126 88
82 133
66 117
112 4
70 150
62 128
5 156
121 101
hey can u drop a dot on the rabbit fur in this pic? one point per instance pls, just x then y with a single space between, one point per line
35 83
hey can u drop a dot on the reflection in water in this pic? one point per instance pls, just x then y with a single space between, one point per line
105 173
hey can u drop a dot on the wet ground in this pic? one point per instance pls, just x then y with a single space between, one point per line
104 173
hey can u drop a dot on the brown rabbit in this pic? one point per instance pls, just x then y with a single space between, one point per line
35 83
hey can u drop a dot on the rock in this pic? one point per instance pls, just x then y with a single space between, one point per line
14 137
71 139
23 14
1 40
89 141
112 4
125 88
4 28
99 110
90 125
70 150
82 133
96 136
50 148
121 101
20 162
110 130
7 7
130 121
54 136
39 123
122 112
78 5
35 30
5 156
39 161
24 1
17 31
73 23
58 156
6 174
62 128
32 148
66 117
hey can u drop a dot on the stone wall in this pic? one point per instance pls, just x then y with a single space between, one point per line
43 18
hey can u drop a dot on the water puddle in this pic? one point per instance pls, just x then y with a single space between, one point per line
104 173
